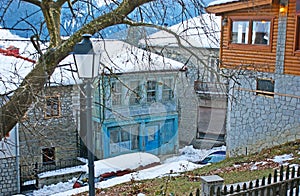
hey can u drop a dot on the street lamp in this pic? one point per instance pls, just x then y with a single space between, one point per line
87 63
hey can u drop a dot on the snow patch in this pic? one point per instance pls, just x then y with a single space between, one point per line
127 161
282 158
218 2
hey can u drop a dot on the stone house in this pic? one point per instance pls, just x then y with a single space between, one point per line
195 43
135 101
48 134
51 135
46 137
9 167
260 51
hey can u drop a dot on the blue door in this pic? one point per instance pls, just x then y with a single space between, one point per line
152 137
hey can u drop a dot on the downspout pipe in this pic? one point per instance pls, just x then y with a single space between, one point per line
17 158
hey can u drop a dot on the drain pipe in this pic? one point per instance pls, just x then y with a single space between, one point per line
17 157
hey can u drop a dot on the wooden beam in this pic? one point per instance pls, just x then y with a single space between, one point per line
232 6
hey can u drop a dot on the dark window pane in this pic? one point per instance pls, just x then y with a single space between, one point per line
266 85
48 155
261 32
52 106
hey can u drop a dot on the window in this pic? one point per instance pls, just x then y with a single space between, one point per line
52 107
211 123
239 33
213 68
151 91
48 156
261 32
135 93
265 87
297 35
116 93
167 93
123 139
255 32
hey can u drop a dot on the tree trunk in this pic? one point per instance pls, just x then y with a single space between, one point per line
34 82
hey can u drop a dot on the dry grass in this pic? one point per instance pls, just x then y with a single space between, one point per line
237 169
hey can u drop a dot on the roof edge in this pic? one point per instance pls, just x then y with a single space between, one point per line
236 5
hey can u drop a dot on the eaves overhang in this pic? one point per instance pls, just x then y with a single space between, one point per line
236 5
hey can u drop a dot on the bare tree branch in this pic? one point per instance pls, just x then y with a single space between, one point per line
18 104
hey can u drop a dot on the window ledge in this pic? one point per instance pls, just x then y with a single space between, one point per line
252 47
297 52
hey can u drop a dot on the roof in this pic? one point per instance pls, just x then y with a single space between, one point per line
120 57
117 56
218 2
14 67
221 6
202 31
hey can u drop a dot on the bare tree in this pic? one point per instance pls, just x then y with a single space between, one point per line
95 21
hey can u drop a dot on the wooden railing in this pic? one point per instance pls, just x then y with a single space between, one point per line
282 183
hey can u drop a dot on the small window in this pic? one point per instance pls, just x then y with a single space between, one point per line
48 156
135 94
265 87
167 93
52 107
116 92
151 91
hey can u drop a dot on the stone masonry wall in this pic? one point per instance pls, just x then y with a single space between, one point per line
255 122
37 133
187 110
8 176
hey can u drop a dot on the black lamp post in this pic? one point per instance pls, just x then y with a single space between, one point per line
87 63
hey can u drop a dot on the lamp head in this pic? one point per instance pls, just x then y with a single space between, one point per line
86 60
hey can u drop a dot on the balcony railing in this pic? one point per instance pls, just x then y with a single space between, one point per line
210 89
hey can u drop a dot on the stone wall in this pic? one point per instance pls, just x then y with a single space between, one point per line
8 176
187 110
37 132
255 121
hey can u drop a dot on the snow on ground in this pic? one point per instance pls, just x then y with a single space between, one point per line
171 166
61 171
123 162
194 155
283 158
176 164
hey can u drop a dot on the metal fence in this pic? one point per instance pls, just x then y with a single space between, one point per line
29 172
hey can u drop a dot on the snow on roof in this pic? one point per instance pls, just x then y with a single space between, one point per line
122 57
118 56
13 70
219 2
201 31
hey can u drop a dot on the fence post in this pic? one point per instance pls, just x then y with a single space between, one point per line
36 170
208 182
287 173
281 173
